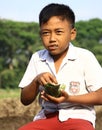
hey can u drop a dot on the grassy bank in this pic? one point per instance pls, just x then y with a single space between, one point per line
9 93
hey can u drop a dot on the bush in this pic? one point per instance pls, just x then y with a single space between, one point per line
9 79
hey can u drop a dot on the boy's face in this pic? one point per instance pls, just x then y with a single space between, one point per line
56 35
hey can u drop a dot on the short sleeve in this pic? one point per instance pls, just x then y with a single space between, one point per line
93 73
29 74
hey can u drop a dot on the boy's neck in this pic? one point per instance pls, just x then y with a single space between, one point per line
59 56
58 60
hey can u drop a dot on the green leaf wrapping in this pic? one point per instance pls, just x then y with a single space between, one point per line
54 89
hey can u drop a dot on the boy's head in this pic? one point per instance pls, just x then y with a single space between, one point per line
60 10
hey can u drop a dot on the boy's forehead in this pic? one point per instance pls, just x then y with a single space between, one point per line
55 20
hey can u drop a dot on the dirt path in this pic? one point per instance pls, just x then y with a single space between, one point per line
13 114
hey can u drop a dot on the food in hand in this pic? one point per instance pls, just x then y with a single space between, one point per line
54 89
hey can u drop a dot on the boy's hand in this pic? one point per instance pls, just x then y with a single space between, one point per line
45 78
63 98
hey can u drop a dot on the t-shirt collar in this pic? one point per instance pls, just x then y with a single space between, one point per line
71 54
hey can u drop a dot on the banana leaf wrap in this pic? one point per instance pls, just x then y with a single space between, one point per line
54 89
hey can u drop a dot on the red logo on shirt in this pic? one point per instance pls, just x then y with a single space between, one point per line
74 87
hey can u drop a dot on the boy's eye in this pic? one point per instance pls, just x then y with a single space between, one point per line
45 33
59 32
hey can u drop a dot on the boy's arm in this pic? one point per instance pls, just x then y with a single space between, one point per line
29 93
92 98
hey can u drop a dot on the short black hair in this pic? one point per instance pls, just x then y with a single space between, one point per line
54 9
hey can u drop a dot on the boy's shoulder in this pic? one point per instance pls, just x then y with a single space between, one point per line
83 53
42 54
82 50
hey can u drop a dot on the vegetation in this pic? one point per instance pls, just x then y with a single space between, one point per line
90 36
9 93
18 40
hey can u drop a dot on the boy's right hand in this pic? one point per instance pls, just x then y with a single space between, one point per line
45 78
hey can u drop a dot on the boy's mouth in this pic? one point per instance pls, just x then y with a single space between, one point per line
53 47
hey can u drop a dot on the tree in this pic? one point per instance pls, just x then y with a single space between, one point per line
18 40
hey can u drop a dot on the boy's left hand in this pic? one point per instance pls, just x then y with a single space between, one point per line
63 98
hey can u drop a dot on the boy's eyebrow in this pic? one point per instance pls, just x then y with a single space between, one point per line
54 29
44 29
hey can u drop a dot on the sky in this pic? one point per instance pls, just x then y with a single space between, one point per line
28 10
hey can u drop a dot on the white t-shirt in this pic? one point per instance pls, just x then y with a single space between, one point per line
79 71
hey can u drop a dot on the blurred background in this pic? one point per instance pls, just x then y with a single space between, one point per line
19 39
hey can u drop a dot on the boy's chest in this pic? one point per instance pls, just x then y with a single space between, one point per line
70 73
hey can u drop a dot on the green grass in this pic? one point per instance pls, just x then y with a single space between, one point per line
9 93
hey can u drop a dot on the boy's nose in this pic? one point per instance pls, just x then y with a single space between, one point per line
52 37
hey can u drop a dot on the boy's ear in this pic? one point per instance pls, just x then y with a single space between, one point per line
73 34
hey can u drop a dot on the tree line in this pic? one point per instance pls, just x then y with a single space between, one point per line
18 40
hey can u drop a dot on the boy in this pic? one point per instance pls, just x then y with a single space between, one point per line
62 63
